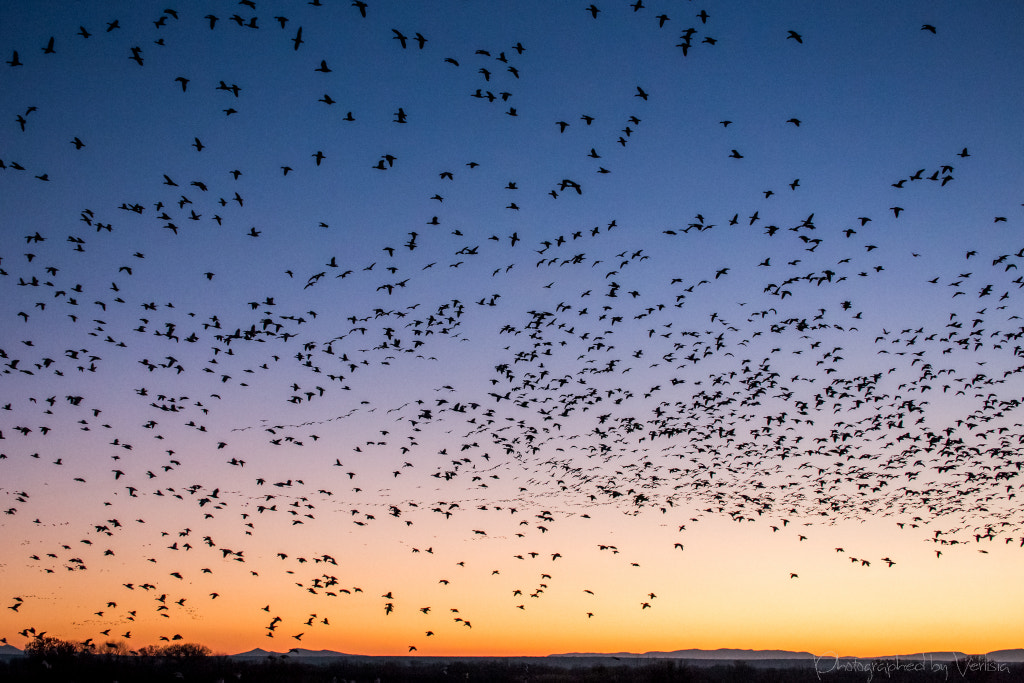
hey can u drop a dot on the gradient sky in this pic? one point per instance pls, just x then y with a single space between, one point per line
297 320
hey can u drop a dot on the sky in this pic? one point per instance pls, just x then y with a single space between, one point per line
512 328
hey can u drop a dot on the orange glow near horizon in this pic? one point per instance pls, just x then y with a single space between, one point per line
722 589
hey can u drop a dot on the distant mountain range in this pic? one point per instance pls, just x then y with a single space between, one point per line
728 654
296 652
723 655
1015 655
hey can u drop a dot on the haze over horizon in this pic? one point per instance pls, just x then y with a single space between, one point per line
466 328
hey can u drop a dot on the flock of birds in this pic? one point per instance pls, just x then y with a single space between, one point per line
514 379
